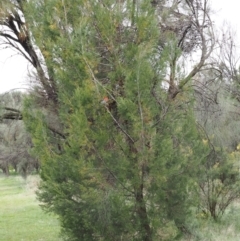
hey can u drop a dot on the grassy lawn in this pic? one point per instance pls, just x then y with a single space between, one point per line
21 219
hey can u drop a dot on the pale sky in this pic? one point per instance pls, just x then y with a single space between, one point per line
14 68
226 10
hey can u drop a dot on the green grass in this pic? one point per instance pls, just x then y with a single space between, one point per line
21 218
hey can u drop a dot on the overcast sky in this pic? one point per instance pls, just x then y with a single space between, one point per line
14 68
226 10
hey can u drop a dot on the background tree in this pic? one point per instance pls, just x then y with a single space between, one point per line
217 115
15 34
15 142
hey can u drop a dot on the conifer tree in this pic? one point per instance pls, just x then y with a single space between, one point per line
129 149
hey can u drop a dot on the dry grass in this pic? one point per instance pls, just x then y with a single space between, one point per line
226 229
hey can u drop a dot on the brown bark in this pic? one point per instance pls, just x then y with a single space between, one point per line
142 214
15 114
142 210
21 37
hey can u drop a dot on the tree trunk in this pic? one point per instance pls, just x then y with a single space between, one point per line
142 214
5 170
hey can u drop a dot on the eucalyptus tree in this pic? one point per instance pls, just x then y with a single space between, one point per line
216 110
15 145
15 34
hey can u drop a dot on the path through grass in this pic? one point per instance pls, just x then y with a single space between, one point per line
21 218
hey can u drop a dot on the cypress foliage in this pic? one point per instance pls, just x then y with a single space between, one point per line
126 154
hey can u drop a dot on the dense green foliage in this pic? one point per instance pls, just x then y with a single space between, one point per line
125 164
